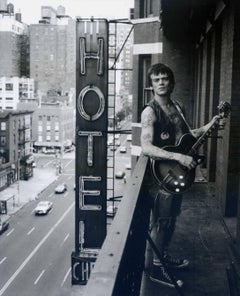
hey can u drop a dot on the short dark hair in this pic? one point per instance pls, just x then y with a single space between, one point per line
163 69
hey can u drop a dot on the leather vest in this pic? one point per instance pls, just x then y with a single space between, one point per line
165 131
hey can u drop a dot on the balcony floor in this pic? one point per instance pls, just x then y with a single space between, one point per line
201 237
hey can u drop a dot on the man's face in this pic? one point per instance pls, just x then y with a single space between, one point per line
161 84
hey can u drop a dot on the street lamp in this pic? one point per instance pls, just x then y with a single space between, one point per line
18 177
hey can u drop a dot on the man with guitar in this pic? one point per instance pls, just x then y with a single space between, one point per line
163 124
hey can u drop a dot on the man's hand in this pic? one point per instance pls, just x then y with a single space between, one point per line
219 121
186 161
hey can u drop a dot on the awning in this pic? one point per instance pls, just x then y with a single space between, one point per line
47 144
28 159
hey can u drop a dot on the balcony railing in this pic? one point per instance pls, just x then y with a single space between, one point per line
119 266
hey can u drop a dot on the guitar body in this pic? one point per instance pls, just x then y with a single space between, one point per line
172 176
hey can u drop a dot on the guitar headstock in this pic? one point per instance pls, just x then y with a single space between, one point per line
224 109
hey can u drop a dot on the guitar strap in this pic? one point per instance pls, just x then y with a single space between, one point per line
181 113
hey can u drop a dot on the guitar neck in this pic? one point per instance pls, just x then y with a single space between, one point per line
203 138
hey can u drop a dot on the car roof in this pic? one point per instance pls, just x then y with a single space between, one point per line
43 202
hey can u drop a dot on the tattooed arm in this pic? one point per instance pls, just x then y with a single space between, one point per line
148 119
217 120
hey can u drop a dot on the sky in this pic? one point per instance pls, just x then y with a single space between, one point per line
109 9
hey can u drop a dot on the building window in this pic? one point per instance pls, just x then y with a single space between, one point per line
56 126
146 8
56 137
48 137
9 86
3 141
3 126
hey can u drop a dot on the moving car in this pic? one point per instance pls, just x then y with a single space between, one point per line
123 149
129 138
61 188
3 226
117 143
119 175
128 166
43 207
111 211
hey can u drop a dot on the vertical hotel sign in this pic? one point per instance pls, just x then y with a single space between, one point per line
91 148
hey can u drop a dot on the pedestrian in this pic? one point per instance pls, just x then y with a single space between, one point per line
163 123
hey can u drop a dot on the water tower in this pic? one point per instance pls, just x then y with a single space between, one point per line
60 10
3 5
10 8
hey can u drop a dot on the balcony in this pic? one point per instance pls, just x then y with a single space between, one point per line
123 263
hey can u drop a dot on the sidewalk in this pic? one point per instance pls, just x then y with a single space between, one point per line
28 190
201 237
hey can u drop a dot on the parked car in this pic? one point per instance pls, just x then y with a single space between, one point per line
117 143
128 166
123 149
49 151
119 175
129 138
61 188
119 126
3 226
111 211
113 148
43 207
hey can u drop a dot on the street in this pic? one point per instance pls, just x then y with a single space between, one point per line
35 252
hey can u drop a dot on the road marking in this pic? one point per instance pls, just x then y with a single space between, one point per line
66 237
51 194
65 278
67 163
20 268
30 231
3 259
10 232
40 275
69 177
68 174
46 164
65 194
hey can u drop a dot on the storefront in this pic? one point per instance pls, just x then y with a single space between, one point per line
26 167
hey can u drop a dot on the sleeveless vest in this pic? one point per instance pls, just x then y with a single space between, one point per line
165 133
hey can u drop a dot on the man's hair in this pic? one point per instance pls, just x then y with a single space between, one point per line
163 69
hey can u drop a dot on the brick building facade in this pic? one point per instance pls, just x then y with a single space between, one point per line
200 41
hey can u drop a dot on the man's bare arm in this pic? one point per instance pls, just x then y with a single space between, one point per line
215 120
148 119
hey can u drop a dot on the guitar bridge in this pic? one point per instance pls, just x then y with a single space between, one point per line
169 178
173 183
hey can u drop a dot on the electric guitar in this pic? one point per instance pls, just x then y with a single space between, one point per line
170 174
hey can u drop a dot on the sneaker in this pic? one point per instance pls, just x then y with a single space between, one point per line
160 275
175 262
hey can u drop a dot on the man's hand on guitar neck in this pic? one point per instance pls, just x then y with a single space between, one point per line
186 160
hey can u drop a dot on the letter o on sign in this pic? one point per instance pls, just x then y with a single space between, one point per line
80 102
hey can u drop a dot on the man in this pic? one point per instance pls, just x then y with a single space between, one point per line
163 124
